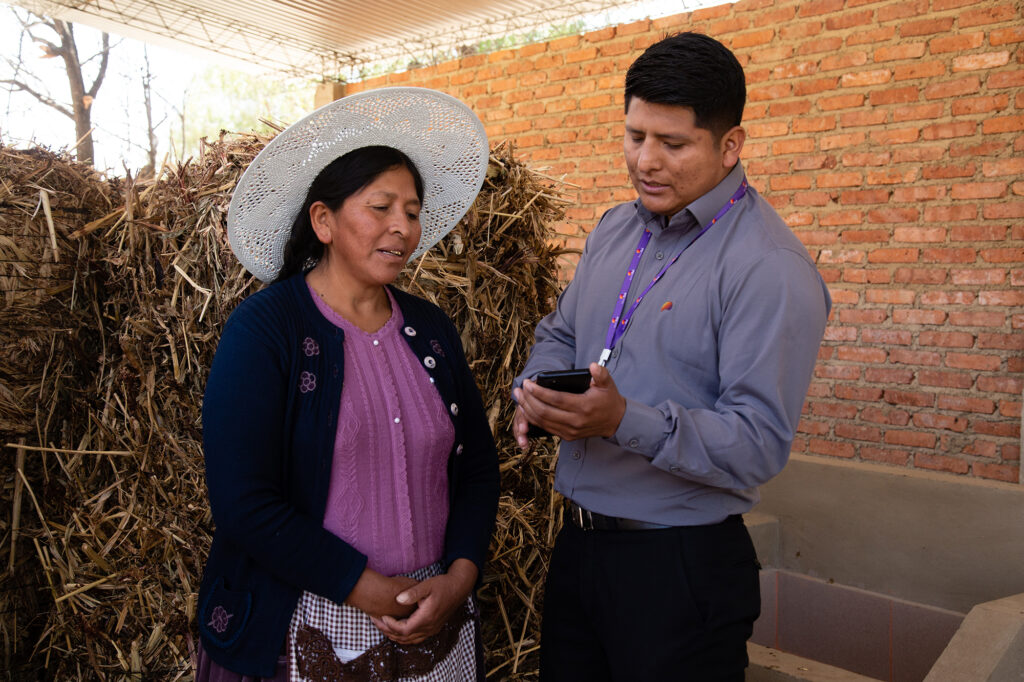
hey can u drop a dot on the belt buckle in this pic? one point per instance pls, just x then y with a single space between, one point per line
582 517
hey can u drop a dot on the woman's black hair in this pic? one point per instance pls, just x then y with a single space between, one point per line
695 71
339 180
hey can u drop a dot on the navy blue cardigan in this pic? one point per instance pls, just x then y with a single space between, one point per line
269 422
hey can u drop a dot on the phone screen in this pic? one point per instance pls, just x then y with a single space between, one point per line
568 380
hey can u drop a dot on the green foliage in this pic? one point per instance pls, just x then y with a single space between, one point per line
223 99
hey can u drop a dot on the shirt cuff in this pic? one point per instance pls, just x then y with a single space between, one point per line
641 430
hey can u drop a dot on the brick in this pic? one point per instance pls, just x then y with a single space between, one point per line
999 472
854 119
924 27
916 439
917 234
921 112
859 393
1001 429
1001 298
953 88
836 410
920 276
866 196
861 79
945 463
894 337
804 88
1001 384
1012 255
962 298
977 62
945 379
931 420
1006 36
905 356
1000 167
864 236
893 256
894 136
945 131
820 446
885 455
856 354
905 72
966 404
948 171
949 214
902 95
976 318
1001 341
874 35
987 15
899 52
902 10
858 432
918 316
850 217
977 277
937 255
946 339
960 42
844 61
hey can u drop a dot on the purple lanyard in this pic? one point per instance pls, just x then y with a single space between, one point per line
620 322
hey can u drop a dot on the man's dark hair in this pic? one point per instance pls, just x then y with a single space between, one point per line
339 180
691 70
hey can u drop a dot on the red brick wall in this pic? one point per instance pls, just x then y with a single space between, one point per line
889 135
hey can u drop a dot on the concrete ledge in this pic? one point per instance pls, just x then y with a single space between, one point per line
764 532
988 647
771 665
935 539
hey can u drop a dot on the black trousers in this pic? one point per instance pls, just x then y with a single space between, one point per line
674 604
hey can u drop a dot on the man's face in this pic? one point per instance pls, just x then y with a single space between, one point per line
671 161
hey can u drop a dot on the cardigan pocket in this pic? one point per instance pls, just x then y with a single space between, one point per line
224 614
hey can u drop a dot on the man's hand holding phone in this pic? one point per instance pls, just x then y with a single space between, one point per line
575 404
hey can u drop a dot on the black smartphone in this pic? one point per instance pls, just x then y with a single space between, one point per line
568 380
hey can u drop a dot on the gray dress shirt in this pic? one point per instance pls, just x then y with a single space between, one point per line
714 365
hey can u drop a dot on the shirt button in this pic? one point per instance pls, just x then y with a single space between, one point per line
409 331
634 443
576 454
455 409
659 255
430 362
615 353
673 468
398 420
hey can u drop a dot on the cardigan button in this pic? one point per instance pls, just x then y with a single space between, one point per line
458 450
409 331
430 362
455 409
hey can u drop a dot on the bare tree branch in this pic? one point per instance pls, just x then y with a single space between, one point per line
105 51
45 99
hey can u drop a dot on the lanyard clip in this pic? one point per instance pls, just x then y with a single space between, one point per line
605 354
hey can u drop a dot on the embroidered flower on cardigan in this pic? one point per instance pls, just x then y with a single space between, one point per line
219 619
310 347
307 382
437 347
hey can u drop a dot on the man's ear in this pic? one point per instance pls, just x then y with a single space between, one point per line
732 145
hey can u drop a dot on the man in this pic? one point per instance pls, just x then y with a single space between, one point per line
697 383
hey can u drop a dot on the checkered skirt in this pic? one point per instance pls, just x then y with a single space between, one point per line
351 633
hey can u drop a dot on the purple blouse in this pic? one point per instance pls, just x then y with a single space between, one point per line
388 494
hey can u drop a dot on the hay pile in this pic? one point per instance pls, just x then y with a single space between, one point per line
103 365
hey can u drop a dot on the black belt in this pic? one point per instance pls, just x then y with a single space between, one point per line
588 520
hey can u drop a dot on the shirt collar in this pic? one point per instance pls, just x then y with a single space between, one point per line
701 210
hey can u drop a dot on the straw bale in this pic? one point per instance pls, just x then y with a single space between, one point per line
108 340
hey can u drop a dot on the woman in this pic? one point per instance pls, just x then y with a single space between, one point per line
351 470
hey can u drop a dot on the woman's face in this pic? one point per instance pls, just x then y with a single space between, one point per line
369 239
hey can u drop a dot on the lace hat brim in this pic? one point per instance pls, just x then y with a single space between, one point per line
442 136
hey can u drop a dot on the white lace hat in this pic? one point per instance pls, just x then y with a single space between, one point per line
441 135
